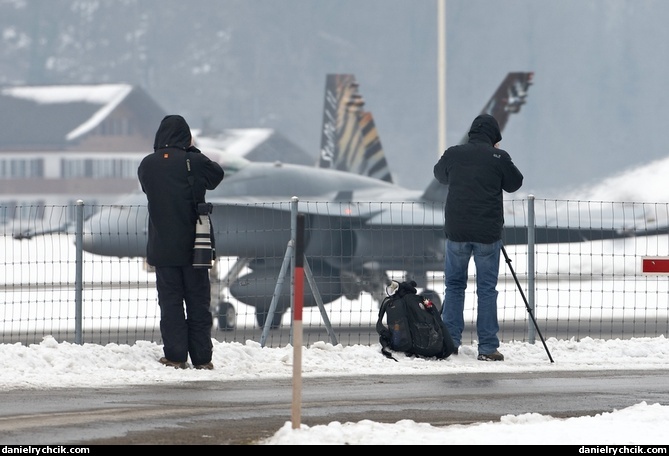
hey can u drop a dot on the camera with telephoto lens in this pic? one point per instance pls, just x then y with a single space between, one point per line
203 252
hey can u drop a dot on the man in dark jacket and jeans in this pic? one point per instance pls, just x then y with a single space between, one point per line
476 173
175 177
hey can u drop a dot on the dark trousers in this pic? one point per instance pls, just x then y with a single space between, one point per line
185 331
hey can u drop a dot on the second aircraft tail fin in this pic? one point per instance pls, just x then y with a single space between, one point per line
507 100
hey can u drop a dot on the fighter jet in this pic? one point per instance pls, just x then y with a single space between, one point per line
360 226
361 229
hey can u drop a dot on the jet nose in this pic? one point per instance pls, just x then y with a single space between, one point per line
118 231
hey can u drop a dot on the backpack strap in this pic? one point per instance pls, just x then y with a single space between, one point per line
384 332
191 182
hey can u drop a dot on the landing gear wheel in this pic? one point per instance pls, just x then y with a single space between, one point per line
226 315
434 297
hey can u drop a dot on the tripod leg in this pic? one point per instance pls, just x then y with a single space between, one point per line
527 305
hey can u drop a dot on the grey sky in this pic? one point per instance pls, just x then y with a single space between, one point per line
600 70
599 84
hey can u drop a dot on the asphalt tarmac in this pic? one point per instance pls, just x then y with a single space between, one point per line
243 412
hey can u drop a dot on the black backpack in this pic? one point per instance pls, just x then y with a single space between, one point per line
414 326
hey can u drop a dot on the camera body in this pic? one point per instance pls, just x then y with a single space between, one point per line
204 208
203 252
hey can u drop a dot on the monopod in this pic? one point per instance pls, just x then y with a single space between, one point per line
527 305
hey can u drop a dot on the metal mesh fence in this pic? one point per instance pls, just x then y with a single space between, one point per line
579 266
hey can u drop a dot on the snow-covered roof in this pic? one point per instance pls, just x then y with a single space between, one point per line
256 144
108 96
101 94
56 116
237 141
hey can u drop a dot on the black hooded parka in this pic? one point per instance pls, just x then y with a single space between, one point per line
164 178
476 174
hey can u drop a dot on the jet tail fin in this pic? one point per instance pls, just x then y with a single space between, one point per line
509 97
349 139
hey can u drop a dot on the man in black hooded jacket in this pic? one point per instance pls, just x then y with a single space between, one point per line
476 173
175 177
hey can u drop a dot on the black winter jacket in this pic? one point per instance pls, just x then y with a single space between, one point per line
163 176
476 174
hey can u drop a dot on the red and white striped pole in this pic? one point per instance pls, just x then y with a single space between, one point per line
298 302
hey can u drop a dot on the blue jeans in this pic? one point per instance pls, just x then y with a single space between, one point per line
486 260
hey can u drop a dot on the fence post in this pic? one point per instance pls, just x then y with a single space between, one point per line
78 286
531 225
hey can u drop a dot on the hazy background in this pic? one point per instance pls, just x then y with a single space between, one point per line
595 108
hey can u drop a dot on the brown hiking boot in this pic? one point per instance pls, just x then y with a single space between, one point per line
208 366
494 356
175 364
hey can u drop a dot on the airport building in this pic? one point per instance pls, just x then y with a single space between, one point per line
60 144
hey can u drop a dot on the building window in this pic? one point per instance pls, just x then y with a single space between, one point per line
112 168
17 168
